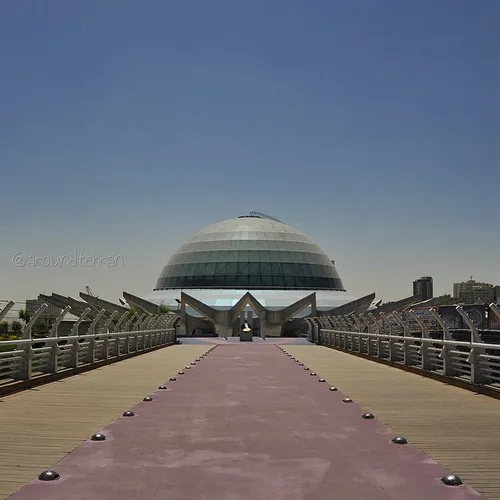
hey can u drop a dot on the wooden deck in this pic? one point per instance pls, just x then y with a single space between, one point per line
456 427
40 426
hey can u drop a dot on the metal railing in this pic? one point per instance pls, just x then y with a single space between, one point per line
26 357
398 341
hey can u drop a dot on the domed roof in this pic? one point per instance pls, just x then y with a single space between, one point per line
250 252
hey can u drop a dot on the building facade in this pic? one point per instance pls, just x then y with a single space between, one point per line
473 292
423 287
252 265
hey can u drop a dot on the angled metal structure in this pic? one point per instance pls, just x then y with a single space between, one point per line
140 304
271 321
395 306
358 306
77 306
99 303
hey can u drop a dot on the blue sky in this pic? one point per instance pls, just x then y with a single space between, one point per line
372 126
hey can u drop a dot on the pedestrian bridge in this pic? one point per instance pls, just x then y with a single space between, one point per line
277 419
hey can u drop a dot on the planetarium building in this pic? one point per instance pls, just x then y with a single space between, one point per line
253 268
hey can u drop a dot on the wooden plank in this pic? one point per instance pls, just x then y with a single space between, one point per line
42 425
455 427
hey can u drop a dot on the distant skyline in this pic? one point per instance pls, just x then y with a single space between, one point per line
127 127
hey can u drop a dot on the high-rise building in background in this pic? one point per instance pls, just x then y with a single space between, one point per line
423 287
473 292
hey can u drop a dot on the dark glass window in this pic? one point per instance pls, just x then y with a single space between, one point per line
232 268
252 269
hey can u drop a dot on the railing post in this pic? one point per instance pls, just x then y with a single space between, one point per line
387 322
309 328
444 354
75 361
54 345
25 372
368 337
333 333
376 326
407 342
476 375
361 337
91 358
92 327
108 328
118 328
348 336
316 330
152 326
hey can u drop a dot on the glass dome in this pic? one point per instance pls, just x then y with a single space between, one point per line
252 253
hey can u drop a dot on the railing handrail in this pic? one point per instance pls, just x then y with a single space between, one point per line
417 339
441 356
52 340
54 354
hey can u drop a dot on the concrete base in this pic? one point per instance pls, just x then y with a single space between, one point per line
246 337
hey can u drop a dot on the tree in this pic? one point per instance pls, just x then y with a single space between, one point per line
16 327
24 315
4 327
163 309
40 328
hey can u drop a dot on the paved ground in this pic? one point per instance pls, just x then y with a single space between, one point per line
246 423
46 423
454 426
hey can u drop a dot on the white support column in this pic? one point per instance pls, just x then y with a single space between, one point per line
359 328
91 330
140 342
6 309
25 369
140 321
406 341
347 321
388 322
127 328
78 322
446 333
476 376
376 324
128 322
367 324
54 330
109 323
423 349
27 329
474 334
118 325
447 364
494 309
74 332
54 334
151 322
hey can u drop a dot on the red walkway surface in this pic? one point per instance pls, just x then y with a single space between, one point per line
246 423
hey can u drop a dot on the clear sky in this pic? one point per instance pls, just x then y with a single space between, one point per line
371 125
